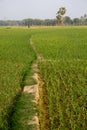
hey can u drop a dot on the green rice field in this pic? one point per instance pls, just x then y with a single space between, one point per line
16 57
64 76
62 72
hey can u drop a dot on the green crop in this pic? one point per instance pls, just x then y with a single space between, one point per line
16 57
64 76
65 84
62 43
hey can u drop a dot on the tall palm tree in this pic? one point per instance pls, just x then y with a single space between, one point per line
60 14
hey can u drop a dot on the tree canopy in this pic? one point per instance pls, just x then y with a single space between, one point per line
60 14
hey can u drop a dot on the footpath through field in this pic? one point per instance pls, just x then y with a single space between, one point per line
34 89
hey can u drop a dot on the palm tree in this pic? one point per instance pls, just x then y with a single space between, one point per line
60 14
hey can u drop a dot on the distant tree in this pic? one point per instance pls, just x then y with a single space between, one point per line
67 20
59 18
83 19
60 14
85 16
28 22
76 21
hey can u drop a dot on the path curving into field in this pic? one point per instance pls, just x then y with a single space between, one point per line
39 56
34 89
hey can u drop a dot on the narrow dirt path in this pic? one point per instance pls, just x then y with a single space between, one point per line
34 89
39 56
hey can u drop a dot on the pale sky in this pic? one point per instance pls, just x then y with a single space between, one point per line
42 9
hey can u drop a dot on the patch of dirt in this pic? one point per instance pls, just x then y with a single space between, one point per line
33 121
34 90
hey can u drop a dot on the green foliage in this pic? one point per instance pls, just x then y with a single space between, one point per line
64 76
63 72
62 43
16 57
60 14
65 83
24 110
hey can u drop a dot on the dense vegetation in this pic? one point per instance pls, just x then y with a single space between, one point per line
46 22
64 76
16 57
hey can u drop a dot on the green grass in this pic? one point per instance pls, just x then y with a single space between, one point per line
16 58
62 43
64 74
23 112
65 84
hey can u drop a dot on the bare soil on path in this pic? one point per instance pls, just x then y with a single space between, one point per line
34 89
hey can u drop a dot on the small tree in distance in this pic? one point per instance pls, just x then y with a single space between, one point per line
60 14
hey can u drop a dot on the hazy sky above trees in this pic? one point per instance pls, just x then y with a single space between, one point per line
42 9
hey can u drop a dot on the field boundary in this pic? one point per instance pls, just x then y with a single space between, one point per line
34 89
42 119
39 56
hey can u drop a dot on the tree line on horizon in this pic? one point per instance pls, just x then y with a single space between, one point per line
46 22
